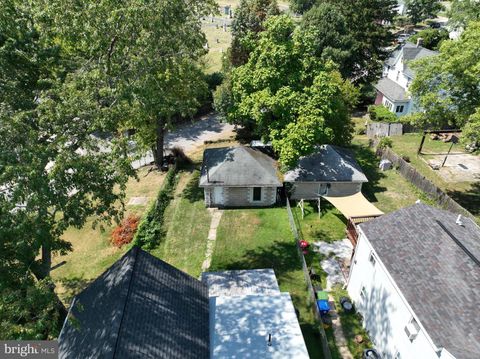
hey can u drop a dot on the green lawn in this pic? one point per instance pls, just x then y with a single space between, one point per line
92 252
261 238
466 194
187 222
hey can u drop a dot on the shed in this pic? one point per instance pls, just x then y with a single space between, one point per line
331 171
141 307
239 177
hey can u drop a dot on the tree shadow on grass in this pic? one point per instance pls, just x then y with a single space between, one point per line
192 192
369 164
469 199
281 256
72 287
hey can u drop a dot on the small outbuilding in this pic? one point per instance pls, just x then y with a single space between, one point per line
239 177
331 171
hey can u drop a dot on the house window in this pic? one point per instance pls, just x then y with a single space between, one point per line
399 109
372 259
257 194
412 329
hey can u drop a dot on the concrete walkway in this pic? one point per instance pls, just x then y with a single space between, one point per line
340 339
212 237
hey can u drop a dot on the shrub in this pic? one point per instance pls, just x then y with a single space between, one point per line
385 142
125 232
432 38
381 113
406 158
150 230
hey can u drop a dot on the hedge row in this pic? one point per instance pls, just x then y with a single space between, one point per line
150 230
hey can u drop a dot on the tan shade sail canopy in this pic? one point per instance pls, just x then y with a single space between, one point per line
355 205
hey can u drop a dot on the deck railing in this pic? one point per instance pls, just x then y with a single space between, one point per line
352 230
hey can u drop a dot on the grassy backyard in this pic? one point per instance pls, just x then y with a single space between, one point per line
261 238
92 252
466 194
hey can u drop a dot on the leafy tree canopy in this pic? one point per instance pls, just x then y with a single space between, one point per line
367 33
301 6
432 38
463 11
420 10
447 86
286 96
247 24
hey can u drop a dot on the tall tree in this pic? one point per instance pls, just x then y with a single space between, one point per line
432 38
142 56
301 6
287 97
247 24
368 27
447 86
420 10
462 12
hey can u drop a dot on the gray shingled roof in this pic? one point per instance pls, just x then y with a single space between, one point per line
391 89
412 52
328 164
141 307
238 166
440 281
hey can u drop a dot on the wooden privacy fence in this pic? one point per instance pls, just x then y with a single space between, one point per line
384 129
311 291
419 181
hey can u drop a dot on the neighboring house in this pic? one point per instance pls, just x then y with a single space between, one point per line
251 318
392 89
330 171
141 307
239 177
415 278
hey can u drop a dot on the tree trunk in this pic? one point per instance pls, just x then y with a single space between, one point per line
158 149
46 259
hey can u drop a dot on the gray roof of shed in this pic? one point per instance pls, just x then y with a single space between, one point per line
440 281
391 89
141 307
328 164
238 166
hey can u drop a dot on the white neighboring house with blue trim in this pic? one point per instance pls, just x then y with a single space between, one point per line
392 89
415 279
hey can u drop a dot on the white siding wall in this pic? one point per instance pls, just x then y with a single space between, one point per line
239 197
384 309
395 73
310 190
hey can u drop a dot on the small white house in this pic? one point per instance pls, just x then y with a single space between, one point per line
392 88
239 177
415 279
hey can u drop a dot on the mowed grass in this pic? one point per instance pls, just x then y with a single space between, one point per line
218 43
187 223
466 194
261 238
92 252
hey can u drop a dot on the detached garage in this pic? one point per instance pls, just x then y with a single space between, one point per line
331 171
239 177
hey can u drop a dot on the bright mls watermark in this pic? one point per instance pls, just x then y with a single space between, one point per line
39 349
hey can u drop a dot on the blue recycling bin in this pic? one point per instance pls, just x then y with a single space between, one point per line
323 306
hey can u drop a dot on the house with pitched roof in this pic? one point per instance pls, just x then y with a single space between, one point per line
415 279
392 88
142 307
239 177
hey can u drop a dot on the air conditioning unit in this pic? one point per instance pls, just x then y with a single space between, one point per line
412 329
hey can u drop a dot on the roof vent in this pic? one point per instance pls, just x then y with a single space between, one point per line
459 220
269 340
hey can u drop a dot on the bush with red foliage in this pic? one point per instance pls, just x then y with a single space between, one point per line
124 233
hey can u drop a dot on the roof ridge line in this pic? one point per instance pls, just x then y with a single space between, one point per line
136 251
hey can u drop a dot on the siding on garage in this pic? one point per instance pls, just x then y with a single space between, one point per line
311 190
241 197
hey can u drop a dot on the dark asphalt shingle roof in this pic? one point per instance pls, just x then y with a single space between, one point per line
328 164
390 89
436 276
238 166
141 307
409 52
